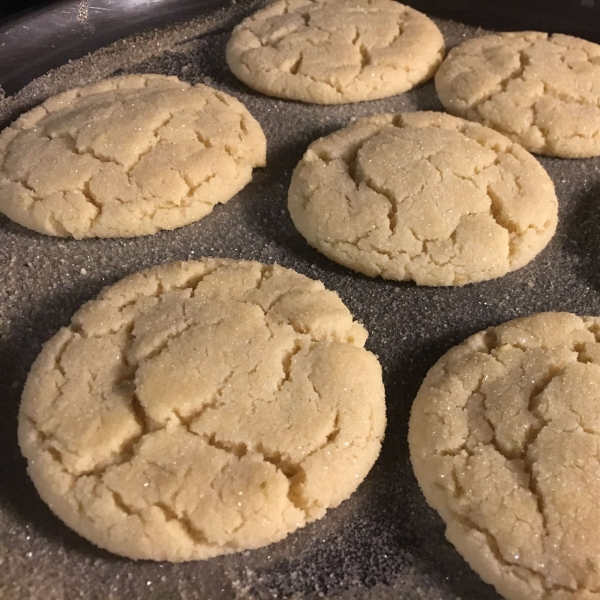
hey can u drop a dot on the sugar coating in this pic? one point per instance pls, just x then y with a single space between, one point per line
423 196
126 156
202 408
335 51
504 439
541 91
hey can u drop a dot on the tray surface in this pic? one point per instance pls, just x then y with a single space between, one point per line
384 542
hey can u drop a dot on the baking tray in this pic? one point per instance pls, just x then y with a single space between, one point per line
384 542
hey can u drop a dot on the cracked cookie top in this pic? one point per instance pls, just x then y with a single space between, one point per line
126 156
504 439
541 91
202 408
423 196
335 51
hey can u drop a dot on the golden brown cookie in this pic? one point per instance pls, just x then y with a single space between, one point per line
335 51
202 408
423 196
504 439
541 91
126 156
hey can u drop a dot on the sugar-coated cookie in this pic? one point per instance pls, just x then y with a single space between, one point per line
504 439
335 51
423 196
541 91
201 408
126 156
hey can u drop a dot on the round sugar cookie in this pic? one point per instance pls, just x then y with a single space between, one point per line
125 157
504 440
423 196
541 91
335 51
202 408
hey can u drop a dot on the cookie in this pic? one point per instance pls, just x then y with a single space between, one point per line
541 91
504 439
423 196
125 157
335 51
202 408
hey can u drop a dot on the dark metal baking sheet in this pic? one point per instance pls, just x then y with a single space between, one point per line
384 542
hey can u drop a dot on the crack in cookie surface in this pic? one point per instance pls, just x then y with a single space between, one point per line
505 444
423 196
127 156
218 401
541 91
335 51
